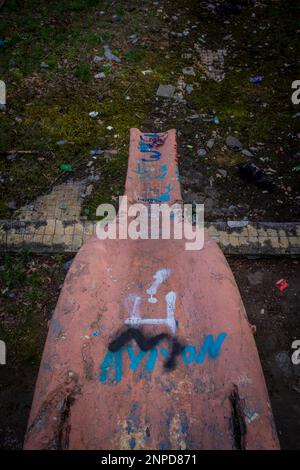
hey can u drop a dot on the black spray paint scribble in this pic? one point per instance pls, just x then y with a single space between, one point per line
147 343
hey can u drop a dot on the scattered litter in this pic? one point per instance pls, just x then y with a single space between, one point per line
222 173
188 71
237 223
110 56
247 153
189 146
11 205
3 43
281 285
296 168
61 142
100 75
189 89
233 143
201 152
66 266
97 59
133 38
210 143
145 72
110 153
96 152
43 65
93 114
117 18
256 79
65 167
166 91
109 128
252 174
215 120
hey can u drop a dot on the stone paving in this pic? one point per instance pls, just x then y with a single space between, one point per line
53 224
234 238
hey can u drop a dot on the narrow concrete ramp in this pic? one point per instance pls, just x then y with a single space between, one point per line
150 346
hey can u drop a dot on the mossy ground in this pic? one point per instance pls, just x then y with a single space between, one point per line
46 105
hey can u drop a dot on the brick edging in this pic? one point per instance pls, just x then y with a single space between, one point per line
234 237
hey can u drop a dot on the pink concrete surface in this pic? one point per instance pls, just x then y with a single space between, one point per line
87 398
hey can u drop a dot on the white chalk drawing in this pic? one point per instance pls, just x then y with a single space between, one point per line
135 319
159 277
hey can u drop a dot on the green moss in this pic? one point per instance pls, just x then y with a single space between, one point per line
83 72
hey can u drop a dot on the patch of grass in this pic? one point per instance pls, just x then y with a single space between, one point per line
134 56
83 72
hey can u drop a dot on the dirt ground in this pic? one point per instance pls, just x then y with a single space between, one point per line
26 307
277 321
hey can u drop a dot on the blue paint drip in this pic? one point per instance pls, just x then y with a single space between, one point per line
151 360
211 347
164 352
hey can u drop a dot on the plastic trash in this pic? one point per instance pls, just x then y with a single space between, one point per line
281 285
256 79
216 120
93 114
247 153
233 143
252 174
166 91
110 56
65 167
96 152
100 75
210 143
201 152
66 266
237 223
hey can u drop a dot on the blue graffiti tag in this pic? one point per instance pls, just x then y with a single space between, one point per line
111 368
151 172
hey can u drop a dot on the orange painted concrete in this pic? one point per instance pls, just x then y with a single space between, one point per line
87 398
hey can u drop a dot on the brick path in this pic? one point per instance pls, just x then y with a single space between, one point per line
55 235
